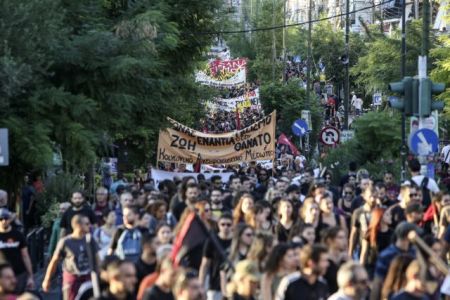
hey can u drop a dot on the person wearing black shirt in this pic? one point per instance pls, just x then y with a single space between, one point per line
122 281
147 261
162 289
307 285
78 207
212 260
13 247
191 194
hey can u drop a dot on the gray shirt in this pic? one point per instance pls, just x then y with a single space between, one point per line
74 254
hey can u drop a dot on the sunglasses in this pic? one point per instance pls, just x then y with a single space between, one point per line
225 224
413 195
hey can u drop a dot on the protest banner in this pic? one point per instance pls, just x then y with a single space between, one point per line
225 81
159 175
249 100
223 73
182 144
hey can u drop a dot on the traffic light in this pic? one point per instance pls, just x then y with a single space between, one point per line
426 91
405 88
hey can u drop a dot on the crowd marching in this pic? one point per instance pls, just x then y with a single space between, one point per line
281 231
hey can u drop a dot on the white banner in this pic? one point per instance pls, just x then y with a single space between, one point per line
238 78
249 100
159 175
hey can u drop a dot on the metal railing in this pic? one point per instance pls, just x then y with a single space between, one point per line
35 241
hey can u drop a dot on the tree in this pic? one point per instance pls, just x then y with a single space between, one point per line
289 100
374 147
78 76
382 62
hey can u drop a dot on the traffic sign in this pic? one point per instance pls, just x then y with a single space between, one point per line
4 147
329 136
424 142
377 99
347 135
299 128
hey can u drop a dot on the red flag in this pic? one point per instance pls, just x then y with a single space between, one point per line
282 139
192 234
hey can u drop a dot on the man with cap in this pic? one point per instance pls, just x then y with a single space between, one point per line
402 245
13 246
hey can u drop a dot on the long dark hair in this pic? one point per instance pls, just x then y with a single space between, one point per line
395 278
276 257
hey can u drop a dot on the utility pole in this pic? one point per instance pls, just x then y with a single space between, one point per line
274 50
308 65
347 76
404 147
284 41
416 9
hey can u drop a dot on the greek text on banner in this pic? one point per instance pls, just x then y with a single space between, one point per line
182 144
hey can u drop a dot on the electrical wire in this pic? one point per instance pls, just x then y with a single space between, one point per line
291 25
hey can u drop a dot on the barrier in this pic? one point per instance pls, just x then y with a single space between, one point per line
35 242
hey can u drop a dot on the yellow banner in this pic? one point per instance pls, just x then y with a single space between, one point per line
182 144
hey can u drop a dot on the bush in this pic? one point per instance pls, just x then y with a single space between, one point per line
58 189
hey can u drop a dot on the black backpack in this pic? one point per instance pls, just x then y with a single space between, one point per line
426 195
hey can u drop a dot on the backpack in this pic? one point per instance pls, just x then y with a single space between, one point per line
129 245
426 195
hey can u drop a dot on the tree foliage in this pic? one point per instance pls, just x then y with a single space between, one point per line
382 62
375 147
78 76
289 100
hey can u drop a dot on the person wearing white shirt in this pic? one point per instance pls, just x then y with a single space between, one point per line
417 178
445 157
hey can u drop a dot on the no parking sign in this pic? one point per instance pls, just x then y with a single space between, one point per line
329 136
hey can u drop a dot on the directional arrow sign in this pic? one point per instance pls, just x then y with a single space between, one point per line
424 142
299 128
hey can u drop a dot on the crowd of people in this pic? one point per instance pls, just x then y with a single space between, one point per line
271 234
227 121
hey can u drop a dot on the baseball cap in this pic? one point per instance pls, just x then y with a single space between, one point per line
5 213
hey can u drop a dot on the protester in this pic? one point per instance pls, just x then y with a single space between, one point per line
79 206
245 281
308 282
78 252
335 239
213 259
56 227
8 281
188 287
13 246
122 280
402 245
395 278
126 242
103 235
281 262
162 289
353 282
